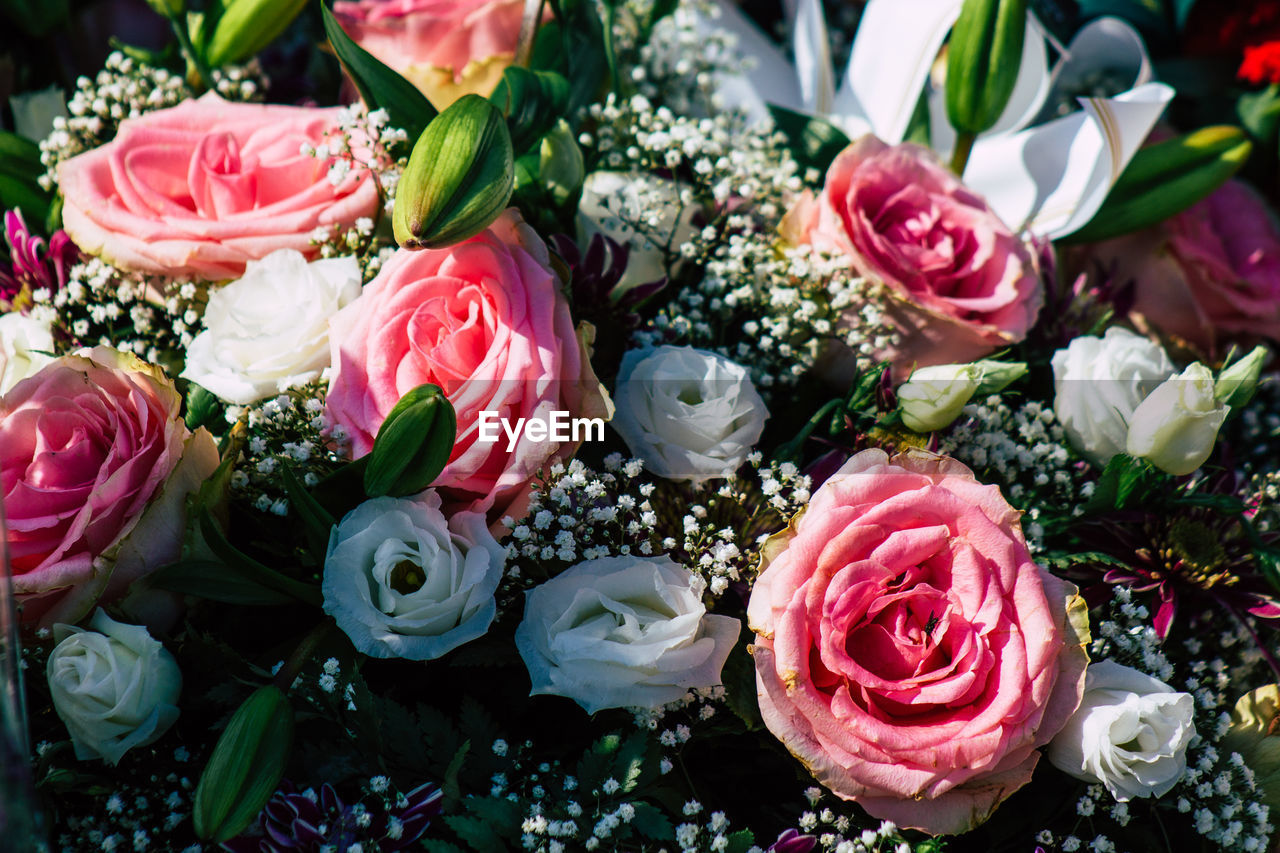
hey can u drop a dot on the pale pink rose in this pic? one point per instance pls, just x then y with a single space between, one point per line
908 650
1209 275
203 188
447 48
95 467
484 320
961 284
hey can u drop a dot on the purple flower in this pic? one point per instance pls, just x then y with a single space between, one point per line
791 841
32 264
307 823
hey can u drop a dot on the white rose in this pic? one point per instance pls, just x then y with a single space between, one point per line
1176 426
402 581
1099 382
26 345
689 414
1130 733
612 200
269 330
623 632
114 687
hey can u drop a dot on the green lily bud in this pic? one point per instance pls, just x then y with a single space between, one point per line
995 376
460 177
247 764
1167 178
560 165
246 27
983 58
413 444
1236 384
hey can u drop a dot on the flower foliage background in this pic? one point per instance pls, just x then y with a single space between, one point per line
641 425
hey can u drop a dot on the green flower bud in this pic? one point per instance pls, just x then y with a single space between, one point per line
1236 384
246 27
460 177
413 444
560 166
983 58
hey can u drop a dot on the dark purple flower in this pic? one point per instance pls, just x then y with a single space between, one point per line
32 264
307 822
791 841
597 274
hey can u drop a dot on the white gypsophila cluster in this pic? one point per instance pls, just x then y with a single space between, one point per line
153 317
1255 434
578 514
364 140
291 430
679 63
837 831
1024 450
698 705
1264 496
1218 790
360 240
329 690
128 817
127 88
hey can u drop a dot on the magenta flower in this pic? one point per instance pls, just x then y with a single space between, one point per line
32 264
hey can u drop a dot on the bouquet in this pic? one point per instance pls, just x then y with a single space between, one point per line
641 425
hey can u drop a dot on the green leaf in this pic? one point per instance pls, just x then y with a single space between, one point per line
246 765
1259 112
1125 482
315 518
343 490
251 568
814 142
459 178
983 58
215 582
378 85
413 444
532 102
629 769
246 27
595 765
650 822
739 677
450 786
476 832
203 406
740 841
1166 178
574 45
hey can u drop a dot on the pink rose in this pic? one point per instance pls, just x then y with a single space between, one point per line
95 467
1210 275
202 188
961 284
484 320
908 650
447 48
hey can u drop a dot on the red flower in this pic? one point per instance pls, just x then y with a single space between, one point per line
1261 63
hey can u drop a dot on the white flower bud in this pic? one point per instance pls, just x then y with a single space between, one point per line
1176 426
26 345
934 396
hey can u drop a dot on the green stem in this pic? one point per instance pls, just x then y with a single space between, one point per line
306 648
198 74
964 146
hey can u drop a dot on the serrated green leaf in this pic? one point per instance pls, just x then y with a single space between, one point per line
595 765
814 142
477 833
629 768
451 788
650 822
740 841
378 85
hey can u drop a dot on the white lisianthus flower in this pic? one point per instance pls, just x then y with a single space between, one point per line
1099 382
623 632
611 201
26 345
269 330
114 686
689 414
1130 733
402 581
1176 426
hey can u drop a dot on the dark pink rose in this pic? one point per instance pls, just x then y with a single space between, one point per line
1210 275
484 320
961 284
908 651
203 188
95 467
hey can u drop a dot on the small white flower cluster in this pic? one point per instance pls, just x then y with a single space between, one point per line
288 429
837 832
699 704
326 690
578 514
132 818
1024 450
1219 790
153 317
679 64
362 241
363 140
127 88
